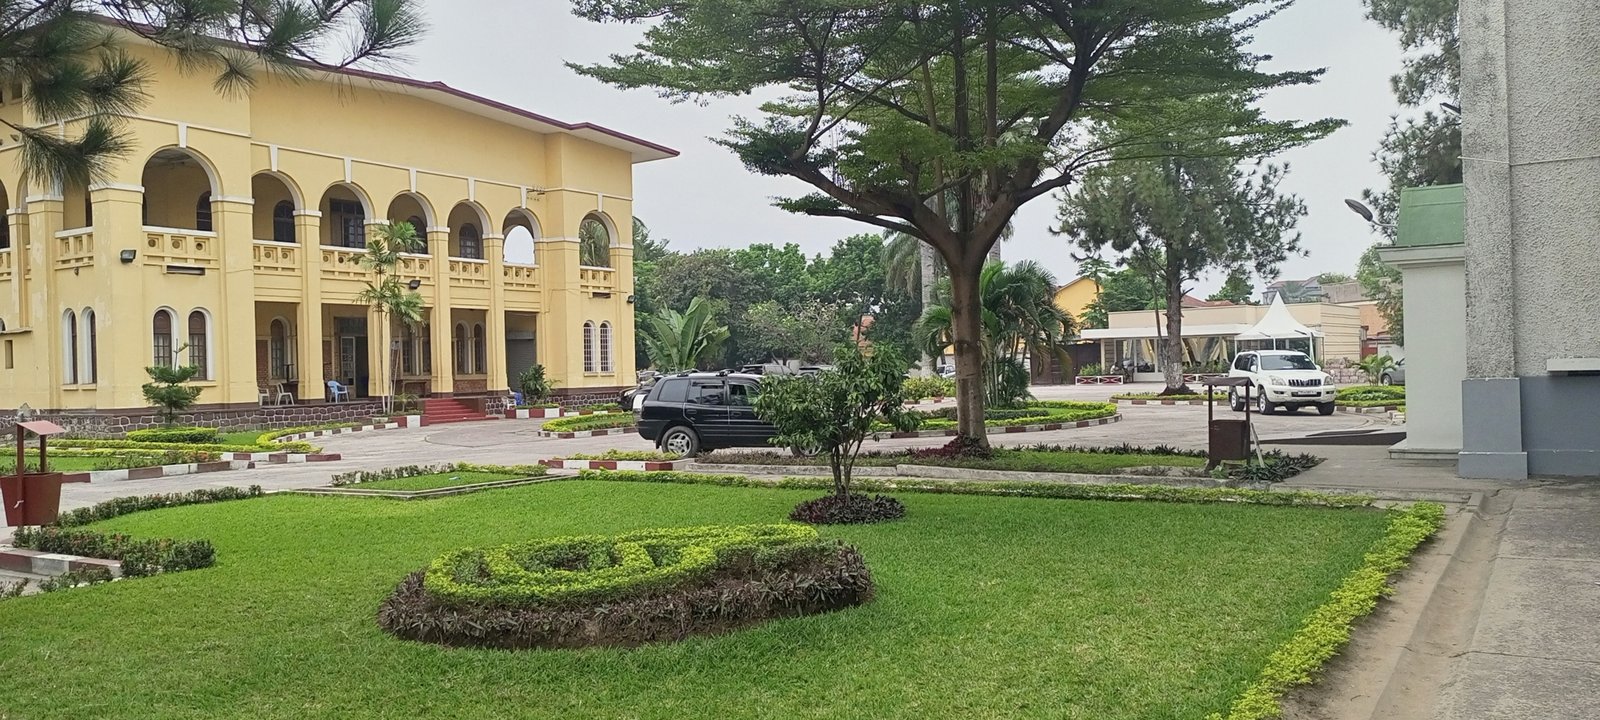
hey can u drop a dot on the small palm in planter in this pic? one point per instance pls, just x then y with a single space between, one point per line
834 411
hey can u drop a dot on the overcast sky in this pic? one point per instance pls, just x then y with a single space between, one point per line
512 51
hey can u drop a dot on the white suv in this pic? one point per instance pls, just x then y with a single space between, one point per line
1283 378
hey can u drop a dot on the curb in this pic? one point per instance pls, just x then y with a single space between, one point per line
1047 427
160 471
937 472
278 458
51 564
640 465
1374 410
586 433
1154 401
357 491
405 422
555 412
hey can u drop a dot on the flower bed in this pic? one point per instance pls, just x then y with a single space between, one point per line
625 590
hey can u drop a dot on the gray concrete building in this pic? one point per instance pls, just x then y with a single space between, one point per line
1530 403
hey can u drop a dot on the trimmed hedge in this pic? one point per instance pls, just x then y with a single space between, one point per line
1060 491
291 447
138 557
199 435
409 471
921 388
615 454
1371 395
1328 627
1034 413
118 507
580 423
734 596
591 569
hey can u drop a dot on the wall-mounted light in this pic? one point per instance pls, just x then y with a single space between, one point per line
128 255
415 283
630 299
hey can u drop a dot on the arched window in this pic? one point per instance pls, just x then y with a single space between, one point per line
202 212
422 231
408 350
588 347
471 242
199 344
69 348
479 351
278 350
458 345
594 242
605 347
283 222
161 339
91 369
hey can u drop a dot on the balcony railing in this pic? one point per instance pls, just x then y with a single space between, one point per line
343 263
597 279
276 258
74 249
521 277
5 263
469 273
416 266
175 246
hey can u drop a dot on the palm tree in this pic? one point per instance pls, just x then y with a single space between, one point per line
394 301
1019 315
676 341
70 66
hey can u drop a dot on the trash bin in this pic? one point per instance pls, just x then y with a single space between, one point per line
1230 440
31 499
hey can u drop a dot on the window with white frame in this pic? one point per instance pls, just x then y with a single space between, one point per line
69 348
471 242
161 338
605 347
91 348
283 222
202 212
200 344
278 350
588 346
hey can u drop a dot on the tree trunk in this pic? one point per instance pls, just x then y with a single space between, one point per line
926 260
967 316
1172 348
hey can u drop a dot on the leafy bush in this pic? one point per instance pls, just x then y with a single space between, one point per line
291 447
852 509
1373 366
921 388
736 595
579 423
175 435
92 575
167 392
615 454
118 507
128 461
1277 466
1327 629
1091 370
1037 412
1372 395
1062 491
958 447
409 471
138 557
586 570
535 385
10 590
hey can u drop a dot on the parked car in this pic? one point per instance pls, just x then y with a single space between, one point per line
1395 375
688 413
1286 379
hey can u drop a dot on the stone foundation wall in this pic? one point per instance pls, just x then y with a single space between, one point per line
114 423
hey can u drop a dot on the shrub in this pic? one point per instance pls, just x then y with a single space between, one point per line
736 595
10 590
1037 412
167 391
92 575
579 423
175 435
852 509
292 447
138 557
535 384
922 388
1372 395
959 447
118 507
128 461
586 570
614 454
1091 370
409 471
1277 466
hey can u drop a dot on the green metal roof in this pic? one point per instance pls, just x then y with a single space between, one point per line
1434 215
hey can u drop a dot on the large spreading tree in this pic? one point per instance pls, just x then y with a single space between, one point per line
890 106
79 85
1177 218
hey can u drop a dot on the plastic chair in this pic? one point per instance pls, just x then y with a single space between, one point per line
263 396
281 395
336 391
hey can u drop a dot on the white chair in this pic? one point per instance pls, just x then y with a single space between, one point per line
337 391
282 396
264 397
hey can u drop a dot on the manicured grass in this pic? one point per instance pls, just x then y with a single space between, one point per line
8 462
987 607
434 481
1062 461
240 437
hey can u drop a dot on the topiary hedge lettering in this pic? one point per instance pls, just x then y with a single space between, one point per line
625 590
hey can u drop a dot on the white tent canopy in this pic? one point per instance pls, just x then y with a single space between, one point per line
1278 324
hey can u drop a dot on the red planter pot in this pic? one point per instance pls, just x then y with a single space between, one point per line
31 499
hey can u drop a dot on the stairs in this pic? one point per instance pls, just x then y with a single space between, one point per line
445 410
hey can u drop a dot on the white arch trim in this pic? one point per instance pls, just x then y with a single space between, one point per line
296 196
200 158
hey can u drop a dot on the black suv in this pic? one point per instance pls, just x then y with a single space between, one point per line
687 413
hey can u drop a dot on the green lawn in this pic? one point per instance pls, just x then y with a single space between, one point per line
434 481
239 437
988 607
1004 459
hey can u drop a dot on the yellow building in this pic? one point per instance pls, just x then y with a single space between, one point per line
1075 297
230 238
